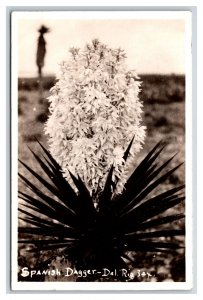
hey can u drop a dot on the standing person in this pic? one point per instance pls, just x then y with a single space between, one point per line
41 49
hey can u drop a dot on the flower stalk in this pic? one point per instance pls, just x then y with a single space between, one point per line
94 113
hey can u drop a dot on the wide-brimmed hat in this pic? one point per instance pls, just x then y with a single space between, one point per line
44 29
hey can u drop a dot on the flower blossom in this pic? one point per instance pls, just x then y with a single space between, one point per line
94 113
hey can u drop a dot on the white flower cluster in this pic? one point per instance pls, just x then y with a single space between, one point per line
94 113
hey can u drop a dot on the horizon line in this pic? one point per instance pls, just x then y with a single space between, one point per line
140 74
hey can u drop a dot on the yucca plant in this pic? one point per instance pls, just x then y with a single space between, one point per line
102 235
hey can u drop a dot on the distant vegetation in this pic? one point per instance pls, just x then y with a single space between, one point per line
32 83
163 88
155 88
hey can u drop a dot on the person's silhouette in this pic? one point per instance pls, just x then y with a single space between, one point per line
41 49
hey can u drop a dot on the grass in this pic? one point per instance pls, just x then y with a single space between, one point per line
164 111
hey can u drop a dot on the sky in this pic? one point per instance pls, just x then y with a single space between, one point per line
151 45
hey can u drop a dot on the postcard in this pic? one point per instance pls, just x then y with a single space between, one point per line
101 115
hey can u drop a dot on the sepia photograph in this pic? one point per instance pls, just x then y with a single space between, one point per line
100 182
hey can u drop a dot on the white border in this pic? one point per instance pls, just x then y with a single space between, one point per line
14 153
188 149
103 15
104 285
